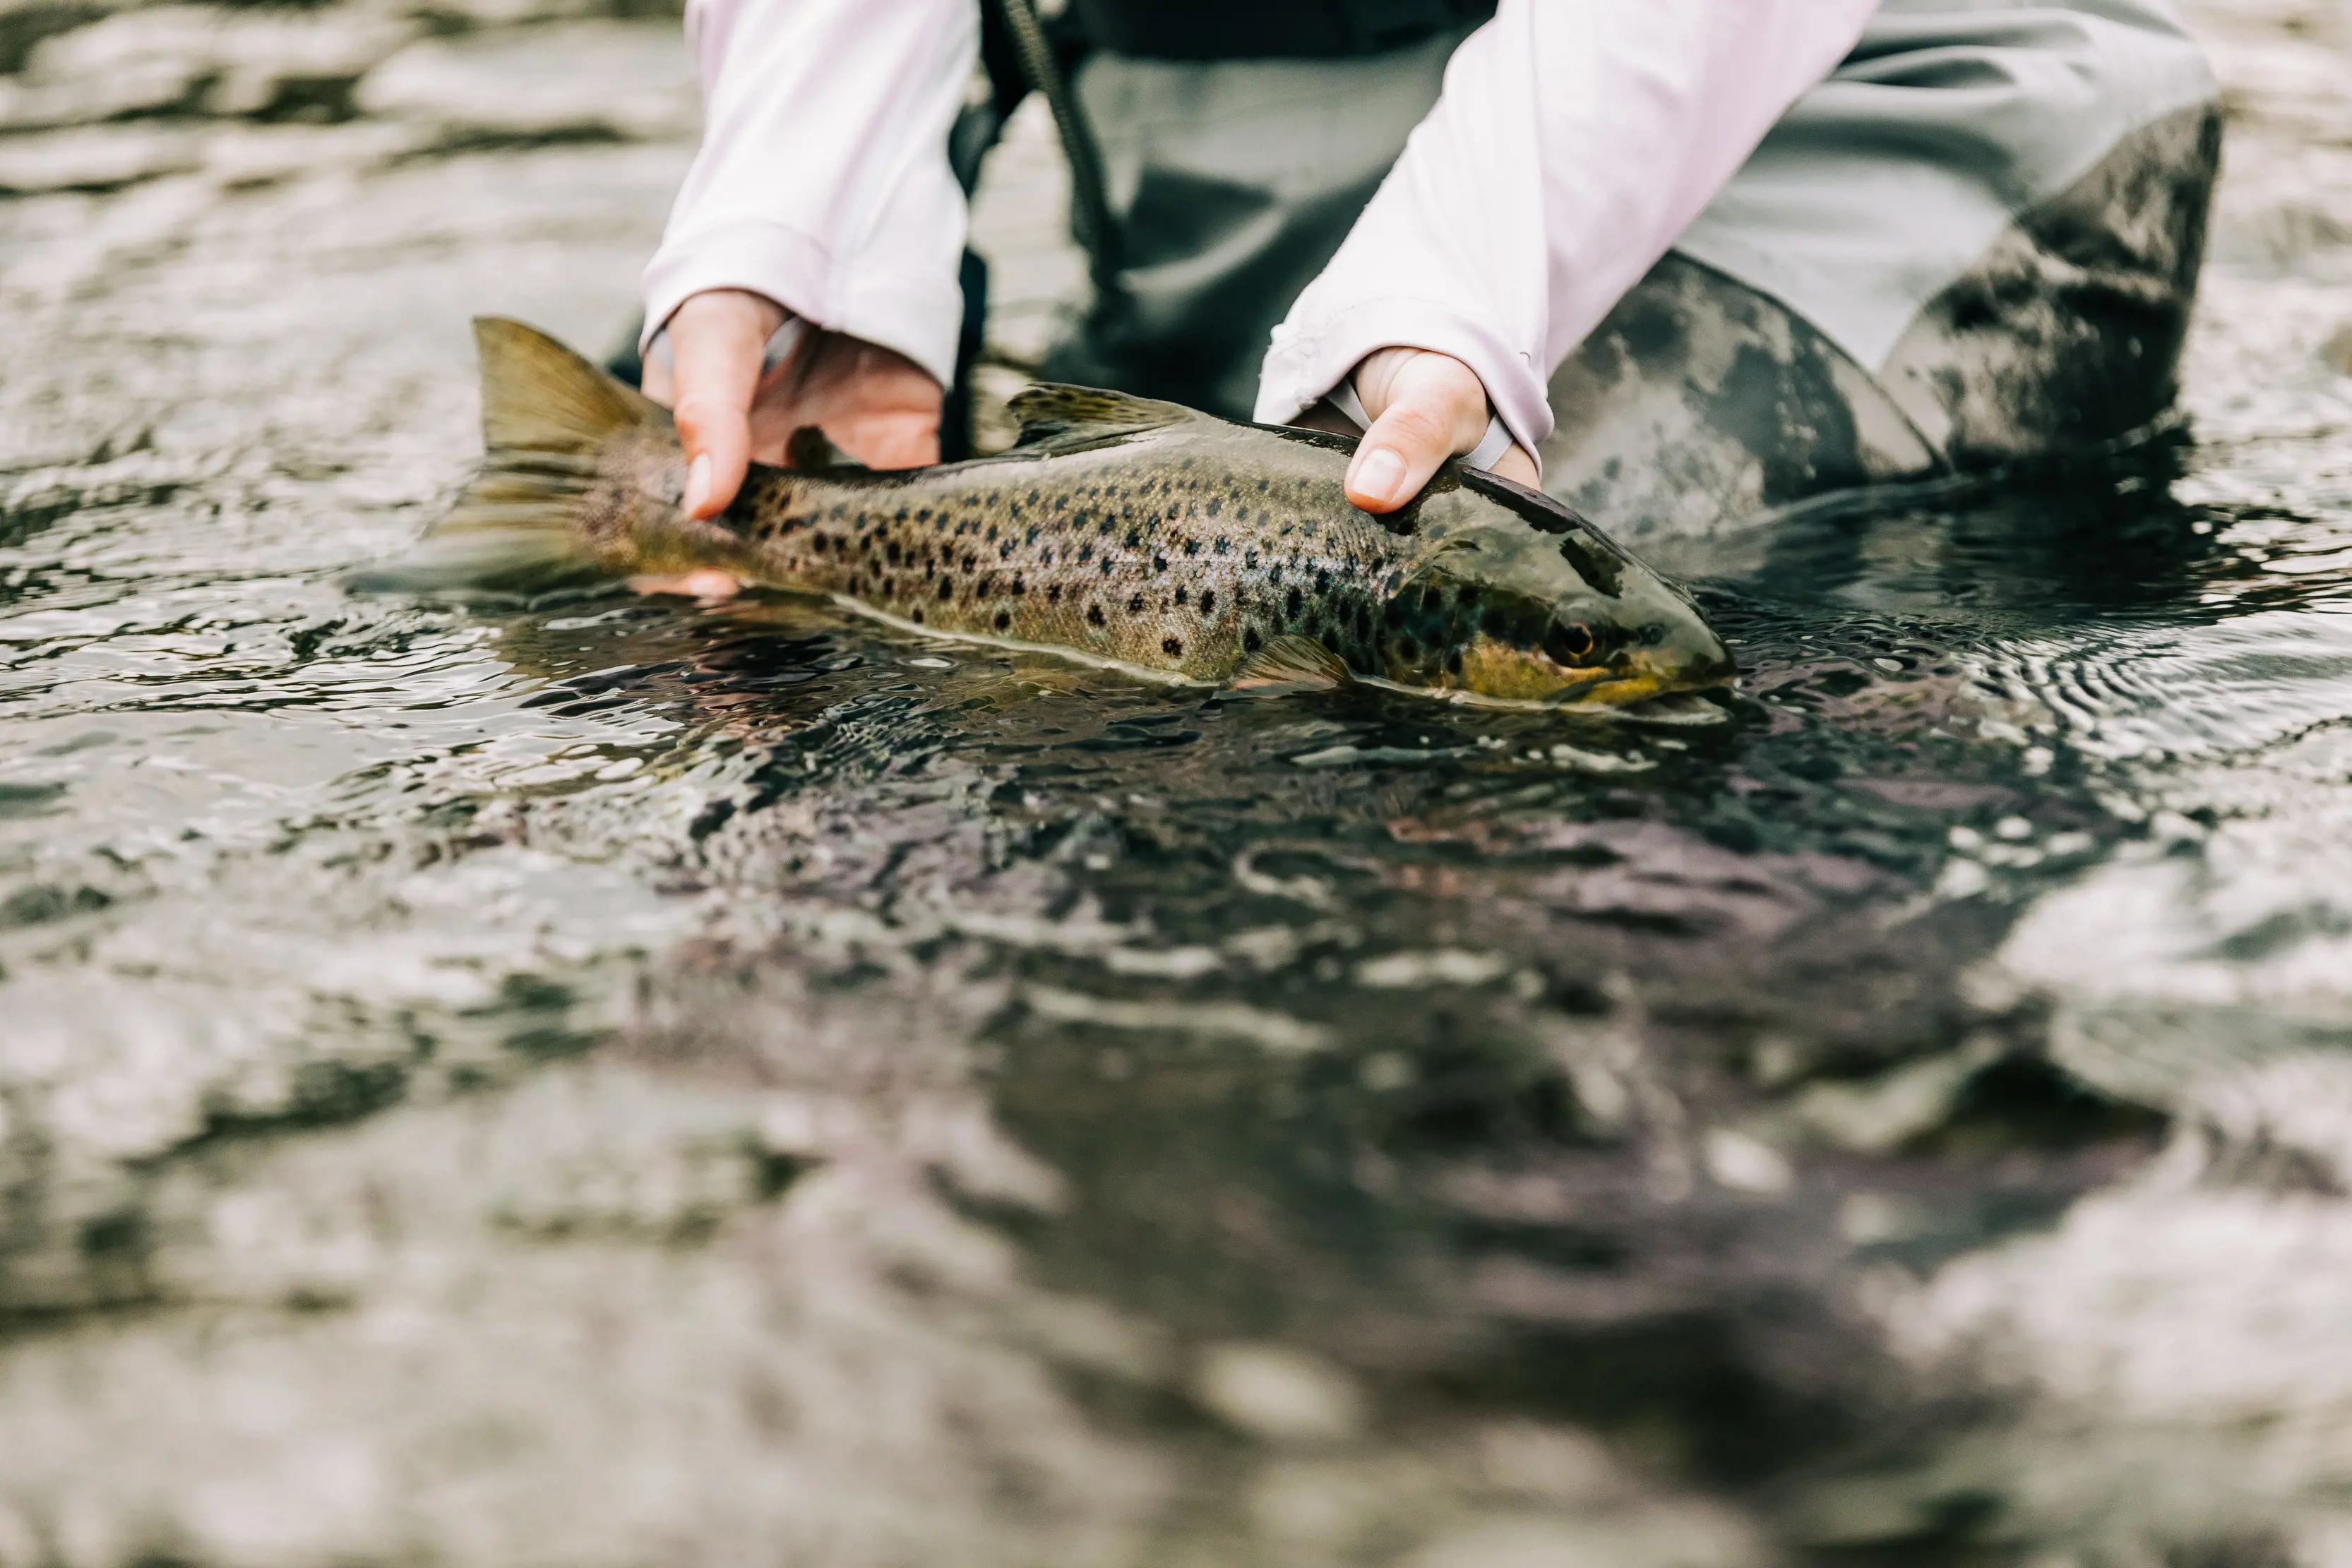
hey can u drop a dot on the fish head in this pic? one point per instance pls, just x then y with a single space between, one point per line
1544 610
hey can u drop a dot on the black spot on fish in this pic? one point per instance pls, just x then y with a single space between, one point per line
1323 581
1207 602
1172 646
1159 563
918 616
971 561
1222 544
1003 619
1053 593
1454 663
1216 505
1250 640
1432 600
1191 547
1004 551
1094 615
1408 650
1134 538
947 588
1086 552
988 586
891 552
1249 558
1180 595
1264 485
1135 605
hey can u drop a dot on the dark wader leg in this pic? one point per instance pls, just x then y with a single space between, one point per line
1706 396
1700 401
1232 183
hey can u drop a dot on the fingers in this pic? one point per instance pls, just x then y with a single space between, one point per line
1425 408
876 404
716 341
709 586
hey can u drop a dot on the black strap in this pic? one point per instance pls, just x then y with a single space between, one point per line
1269 30
1089 204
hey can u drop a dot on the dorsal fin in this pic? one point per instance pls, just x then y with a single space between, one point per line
812 451
1290 663
1051 412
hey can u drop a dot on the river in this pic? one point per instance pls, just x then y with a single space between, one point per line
614 1082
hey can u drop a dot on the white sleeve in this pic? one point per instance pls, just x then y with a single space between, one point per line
823 178
1573 142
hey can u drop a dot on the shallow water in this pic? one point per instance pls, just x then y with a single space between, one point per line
612 1082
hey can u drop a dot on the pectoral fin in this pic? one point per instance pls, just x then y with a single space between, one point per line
1290 663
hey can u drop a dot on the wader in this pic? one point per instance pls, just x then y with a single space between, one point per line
1977 242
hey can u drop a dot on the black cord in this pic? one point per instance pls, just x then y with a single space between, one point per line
1089 205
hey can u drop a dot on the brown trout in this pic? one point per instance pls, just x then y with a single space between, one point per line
1125 532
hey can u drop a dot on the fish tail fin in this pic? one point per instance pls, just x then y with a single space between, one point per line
547 414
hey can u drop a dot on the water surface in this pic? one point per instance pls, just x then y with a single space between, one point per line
602 1082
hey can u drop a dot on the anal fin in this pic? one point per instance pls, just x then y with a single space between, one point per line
1290 663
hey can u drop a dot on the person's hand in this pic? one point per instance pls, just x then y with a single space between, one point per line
876 404
1425 407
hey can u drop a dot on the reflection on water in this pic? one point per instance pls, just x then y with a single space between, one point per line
607 1081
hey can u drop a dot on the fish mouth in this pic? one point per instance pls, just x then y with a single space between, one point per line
1647 678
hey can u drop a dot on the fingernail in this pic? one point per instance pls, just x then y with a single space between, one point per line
697 485
1382 473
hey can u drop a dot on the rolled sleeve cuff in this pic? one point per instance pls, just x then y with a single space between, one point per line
1308 359
919 317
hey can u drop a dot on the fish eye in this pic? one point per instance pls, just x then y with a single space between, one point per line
1567 643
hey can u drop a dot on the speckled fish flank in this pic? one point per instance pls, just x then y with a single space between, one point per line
1124 530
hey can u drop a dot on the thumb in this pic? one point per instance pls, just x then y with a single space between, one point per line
717 340
1427 407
